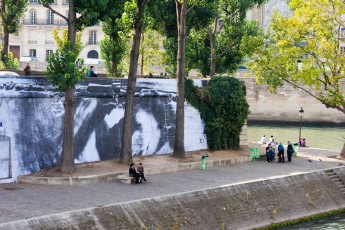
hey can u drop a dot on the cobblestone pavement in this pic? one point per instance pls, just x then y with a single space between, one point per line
318 152
20 201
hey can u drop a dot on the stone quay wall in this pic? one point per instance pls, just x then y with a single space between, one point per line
285 104
32 112
238 206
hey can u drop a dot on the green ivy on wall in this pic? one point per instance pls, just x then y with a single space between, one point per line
223 107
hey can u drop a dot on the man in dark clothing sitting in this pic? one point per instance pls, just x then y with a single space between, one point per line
133 173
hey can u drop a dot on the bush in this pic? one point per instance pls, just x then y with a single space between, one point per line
11 63
224 109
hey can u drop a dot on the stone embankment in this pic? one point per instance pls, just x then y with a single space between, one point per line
237 206
285 103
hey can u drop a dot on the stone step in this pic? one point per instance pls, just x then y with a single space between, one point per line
334 177
339 183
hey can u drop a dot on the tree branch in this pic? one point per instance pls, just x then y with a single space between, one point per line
54 11
190 9
303 89
215 26
226 50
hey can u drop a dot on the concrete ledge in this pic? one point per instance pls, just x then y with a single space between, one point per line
94 179
236 206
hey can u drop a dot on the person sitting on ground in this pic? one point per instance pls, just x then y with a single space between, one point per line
140 170
133 173
271 139
263 140
91 72
303 143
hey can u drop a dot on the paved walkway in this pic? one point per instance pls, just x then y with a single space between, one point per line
22 201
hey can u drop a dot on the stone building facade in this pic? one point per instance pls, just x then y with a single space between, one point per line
34 42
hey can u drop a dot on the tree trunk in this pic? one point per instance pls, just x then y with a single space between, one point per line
142 58
5 48
72 24
213 55
212 36
67 157
342 153
126 140
181 9
114 69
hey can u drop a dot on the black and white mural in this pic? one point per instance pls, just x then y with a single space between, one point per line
31 113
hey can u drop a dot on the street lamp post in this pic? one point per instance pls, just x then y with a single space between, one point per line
300 114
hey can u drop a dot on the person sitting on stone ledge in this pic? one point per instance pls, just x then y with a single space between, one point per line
269 153
263 140
91 72
140 170
133 173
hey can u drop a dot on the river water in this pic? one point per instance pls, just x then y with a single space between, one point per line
327 223
325 137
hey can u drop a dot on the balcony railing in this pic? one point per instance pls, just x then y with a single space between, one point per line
32 41
49 42
37 3
93 43
59 22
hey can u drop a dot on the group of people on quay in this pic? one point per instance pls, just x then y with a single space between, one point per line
272 146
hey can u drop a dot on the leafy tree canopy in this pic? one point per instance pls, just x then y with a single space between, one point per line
64 67
90 11
116 28
225 35
304 50
199 14
12 12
